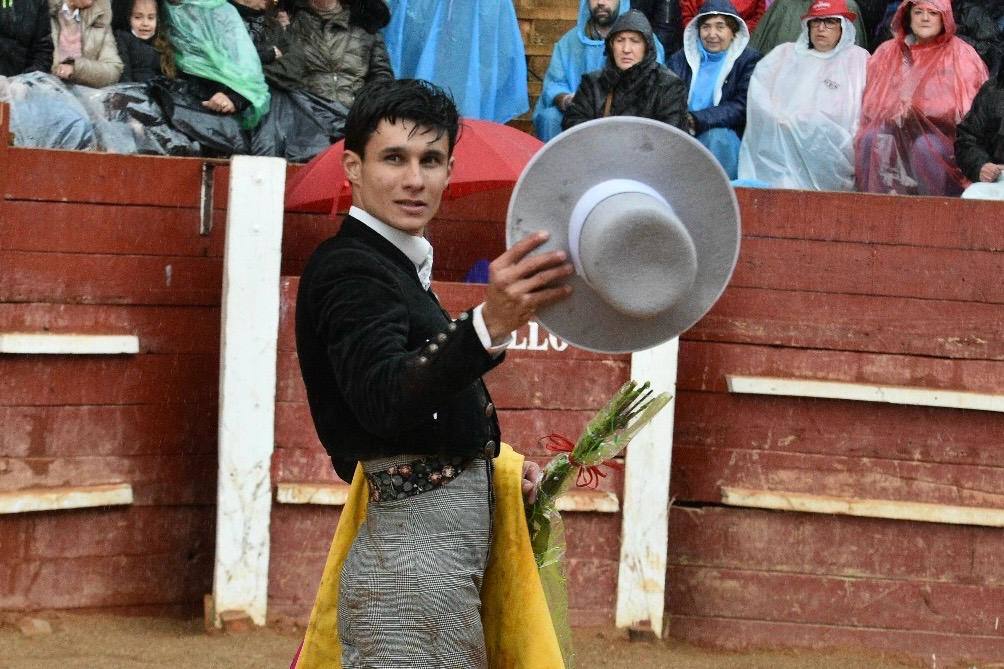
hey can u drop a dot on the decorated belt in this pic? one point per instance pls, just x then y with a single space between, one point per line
415 477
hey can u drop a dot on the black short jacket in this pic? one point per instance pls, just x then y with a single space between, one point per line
387 370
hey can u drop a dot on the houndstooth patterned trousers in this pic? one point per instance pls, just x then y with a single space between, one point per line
410 586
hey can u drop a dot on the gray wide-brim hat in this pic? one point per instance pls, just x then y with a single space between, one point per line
647 216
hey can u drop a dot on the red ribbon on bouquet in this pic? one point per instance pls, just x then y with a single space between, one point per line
589 475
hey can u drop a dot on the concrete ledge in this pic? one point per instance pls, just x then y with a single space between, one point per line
67 344
66 497
862 392
868 508
335 494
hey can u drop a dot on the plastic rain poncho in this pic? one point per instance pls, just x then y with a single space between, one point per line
211 41
802 112
471 48
915 96
783 22
574 55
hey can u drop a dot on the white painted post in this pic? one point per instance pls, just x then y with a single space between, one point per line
250 323
641 580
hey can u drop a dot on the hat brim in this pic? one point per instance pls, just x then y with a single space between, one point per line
850 16
678 167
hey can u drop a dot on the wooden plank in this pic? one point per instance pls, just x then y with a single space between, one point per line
326 494
837 546
641 578
866 323
830 427
109 279
862 392
161 329
250 322
870 269
854 602
140 379
869 508
36 343
703 366
934 649
699 474
137 429
25 500
874 219
80 227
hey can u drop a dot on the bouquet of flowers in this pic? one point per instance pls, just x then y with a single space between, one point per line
605 437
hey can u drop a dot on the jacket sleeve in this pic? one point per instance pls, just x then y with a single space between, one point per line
124 56
40 56
379 67
672 105
976 132
730 113
556 78
688 10
584 107
105 67
359 313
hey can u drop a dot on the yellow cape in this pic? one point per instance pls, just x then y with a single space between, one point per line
517 624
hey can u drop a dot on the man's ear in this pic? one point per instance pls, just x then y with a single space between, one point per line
352 165
449 170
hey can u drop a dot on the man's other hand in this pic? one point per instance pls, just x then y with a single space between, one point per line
990 172
519 284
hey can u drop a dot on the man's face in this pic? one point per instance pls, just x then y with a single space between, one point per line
716 35
603 11
628 48
403 175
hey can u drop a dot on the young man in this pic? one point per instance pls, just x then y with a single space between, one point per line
394 383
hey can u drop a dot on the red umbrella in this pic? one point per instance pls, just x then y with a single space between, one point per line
488 156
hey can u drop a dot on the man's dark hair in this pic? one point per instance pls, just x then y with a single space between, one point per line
424 104
731 21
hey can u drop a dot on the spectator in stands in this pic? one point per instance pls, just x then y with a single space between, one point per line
920 85
582 49
137 25
632 83
666 20
267 33
749 11
981 24
335 49
473 49
85 51
783 23
804 103
25 37
979 145
716 64
215 54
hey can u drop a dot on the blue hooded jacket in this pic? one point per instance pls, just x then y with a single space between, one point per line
728 108
574 55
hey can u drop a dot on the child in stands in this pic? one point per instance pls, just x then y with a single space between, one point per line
139 39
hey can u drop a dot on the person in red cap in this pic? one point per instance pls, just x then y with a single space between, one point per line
920 85
783 23
804 103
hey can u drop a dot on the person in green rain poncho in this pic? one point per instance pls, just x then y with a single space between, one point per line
213 50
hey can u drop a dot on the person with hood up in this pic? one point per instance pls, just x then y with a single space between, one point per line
751 11
716 64
582 49
783 23
803 106
474 49
920 85
632 83
979 145
25 37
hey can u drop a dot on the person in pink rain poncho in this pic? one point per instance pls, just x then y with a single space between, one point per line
920 84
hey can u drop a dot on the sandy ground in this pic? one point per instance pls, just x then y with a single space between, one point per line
106 642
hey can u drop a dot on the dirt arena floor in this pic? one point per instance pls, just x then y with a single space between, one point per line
106 642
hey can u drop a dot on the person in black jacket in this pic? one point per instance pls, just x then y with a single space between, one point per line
981 24
25 37
666 19
716 63
395 383
137 25
632 82
979 140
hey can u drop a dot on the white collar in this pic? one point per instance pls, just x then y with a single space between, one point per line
75 14
416 248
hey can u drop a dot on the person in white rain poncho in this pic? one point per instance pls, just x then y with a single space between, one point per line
804 103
